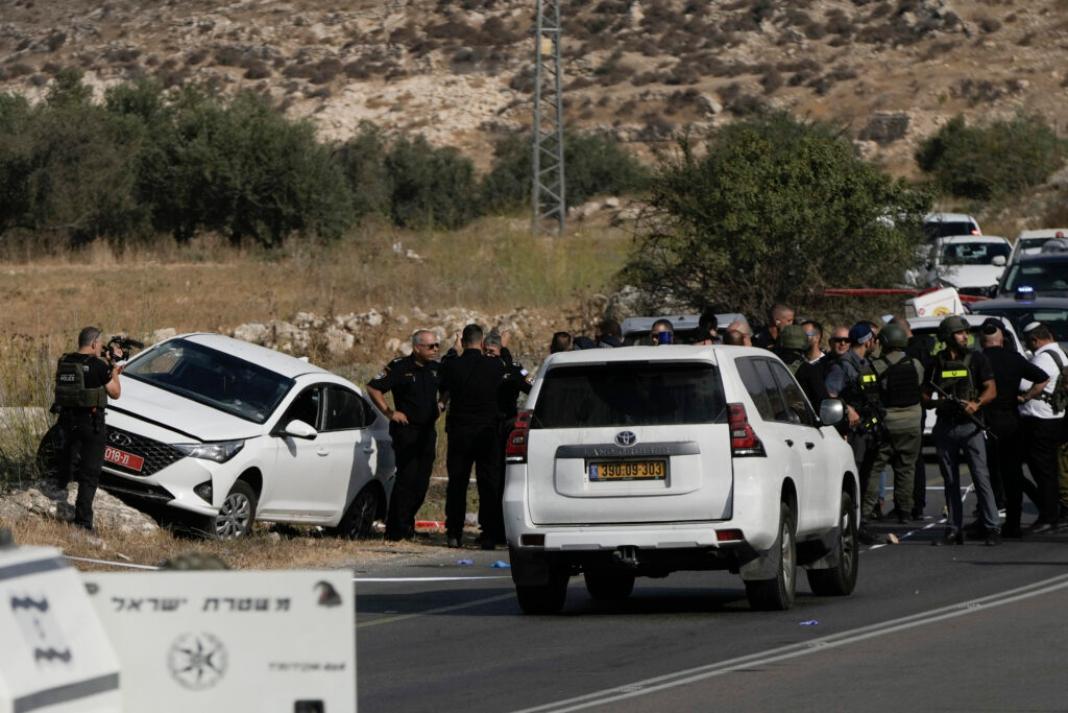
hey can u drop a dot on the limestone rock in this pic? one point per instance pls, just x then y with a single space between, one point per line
253 332
338 341
109 513
164 334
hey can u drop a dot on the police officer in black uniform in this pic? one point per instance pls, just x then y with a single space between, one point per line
84 381
516 381
852 379
470 385
414 383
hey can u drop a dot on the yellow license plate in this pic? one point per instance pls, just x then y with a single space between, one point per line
628 470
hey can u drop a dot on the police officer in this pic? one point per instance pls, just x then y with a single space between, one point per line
84 382
965 383
1003 417
852 379
414 382
900 378
792 347
470 385
516 381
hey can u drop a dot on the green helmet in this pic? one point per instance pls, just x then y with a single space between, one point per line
951 325
793 337
893 336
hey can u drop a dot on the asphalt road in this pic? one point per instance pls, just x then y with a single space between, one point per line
969 628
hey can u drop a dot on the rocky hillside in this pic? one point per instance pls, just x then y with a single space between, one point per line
459 70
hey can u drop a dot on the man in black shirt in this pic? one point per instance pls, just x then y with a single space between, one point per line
1003 417
470 385
84 382
414 382
965 384
779 316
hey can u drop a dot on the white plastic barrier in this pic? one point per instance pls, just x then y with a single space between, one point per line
54 654
210 641
939 303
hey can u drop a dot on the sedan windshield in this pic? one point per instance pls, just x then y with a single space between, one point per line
1041 277
630 394
213 378
973 253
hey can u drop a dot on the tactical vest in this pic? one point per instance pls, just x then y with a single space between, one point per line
862 390
899 380
954 376
71 391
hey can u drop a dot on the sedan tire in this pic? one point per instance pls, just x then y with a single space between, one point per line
236 514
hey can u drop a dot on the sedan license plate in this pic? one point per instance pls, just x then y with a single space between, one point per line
129 461
628 470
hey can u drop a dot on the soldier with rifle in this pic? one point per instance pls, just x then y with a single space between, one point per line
964 382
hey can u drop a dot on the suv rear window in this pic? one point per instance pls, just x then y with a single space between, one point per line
630 394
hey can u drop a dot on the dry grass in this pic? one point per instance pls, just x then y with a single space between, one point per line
260 551
494 265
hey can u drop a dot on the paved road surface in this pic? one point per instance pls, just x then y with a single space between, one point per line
968 628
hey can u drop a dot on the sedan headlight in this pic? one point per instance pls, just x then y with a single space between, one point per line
220 452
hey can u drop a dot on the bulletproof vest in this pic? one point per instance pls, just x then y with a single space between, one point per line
862 387
71 391
899 380
954 377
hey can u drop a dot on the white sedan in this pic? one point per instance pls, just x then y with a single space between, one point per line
229 433
973 264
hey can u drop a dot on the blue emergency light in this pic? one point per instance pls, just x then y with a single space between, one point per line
1025 293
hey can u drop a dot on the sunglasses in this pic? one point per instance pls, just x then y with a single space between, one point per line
435 345
839 340
811 334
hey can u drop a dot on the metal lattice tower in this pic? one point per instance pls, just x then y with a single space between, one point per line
548 198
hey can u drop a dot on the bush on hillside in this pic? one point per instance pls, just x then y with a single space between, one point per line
770 210
431 187
595 164
998 159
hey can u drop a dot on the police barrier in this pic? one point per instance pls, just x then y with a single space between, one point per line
54 654
231 641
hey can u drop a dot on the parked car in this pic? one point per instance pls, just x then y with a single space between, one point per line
942 225
636 329
227 433
973 264
1051 311
1043 275
642 461
1031 242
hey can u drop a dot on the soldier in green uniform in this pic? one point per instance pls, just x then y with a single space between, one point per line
900 382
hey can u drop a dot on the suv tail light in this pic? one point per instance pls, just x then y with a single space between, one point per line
515 451
744 441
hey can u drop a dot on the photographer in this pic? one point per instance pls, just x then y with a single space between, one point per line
84 381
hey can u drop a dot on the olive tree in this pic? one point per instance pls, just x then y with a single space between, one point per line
770 210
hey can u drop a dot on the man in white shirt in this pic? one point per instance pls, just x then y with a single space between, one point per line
1040 426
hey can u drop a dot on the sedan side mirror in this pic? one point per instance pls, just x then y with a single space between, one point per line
999 261
832 411
300 429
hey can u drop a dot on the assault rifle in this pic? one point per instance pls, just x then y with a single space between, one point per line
959 406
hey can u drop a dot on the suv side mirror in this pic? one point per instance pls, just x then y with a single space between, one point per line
832 411
299 429
999 261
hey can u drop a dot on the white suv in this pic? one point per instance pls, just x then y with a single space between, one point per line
642 461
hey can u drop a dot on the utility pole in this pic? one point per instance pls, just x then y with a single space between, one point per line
548 198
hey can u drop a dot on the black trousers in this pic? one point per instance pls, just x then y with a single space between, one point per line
919 480
477 446
414 449
84 437
1006 468
1040 439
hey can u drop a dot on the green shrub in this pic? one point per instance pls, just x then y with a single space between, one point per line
595 164
772 210
998 159
363 160
431 187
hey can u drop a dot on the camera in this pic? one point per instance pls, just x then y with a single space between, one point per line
119 349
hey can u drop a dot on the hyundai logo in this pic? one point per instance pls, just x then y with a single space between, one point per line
120 439
626 438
